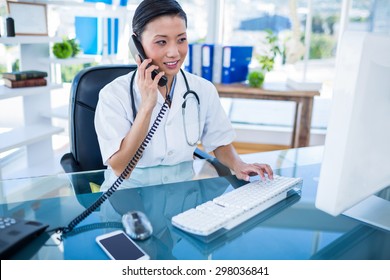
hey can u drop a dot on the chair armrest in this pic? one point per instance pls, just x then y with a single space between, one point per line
69 164
221 169
202 154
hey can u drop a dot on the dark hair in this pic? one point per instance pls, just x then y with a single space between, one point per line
148 10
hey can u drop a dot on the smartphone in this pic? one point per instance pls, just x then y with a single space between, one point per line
119 246
137 49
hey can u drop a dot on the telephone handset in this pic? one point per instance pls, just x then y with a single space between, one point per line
137 49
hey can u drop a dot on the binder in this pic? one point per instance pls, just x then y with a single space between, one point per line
235 63
89 32
197 59
217 64
207 61
113 35
109 2
97 35
188 60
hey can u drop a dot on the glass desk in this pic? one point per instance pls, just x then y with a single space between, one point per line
294 229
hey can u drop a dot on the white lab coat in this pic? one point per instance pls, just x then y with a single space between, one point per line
114 118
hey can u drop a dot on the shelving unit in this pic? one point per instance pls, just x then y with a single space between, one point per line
37 130
39 108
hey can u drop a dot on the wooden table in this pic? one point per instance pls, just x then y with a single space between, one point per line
279 91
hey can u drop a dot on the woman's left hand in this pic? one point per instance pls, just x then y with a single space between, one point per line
245 170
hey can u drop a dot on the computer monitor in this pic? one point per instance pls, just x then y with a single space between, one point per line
356 162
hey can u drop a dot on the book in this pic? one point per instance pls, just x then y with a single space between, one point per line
25 83
24 75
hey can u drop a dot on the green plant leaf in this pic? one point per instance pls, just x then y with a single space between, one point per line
62 50
256 78
75 47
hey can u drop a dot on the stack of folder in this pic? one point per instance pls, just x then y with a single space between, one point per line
30 78
219 63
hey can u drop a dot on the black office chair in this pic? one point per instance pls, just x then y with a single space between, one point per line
84 152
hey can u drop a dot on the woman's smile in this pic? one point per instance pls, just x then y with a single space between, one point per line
172 65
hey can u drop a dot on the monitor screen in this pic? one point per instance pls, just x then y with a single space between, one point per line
356 162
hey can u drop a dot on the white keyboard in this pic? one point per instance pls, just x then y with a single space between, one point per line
235 207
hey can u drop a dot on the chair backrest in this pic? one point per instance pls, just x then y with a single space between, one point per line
85 90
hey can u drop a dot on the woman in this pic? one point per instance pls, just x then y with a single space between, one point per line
161 28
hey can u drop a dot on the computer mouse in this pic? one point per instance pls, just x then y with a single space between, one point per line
137 225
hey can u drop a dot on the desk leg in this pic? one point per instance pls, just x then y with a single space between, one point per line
303 115
294 135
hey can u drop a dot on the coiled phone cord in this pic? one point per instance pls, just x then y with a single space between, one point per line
126 172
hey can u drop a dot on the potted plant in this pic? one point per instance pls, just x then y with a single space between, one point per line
67 48
266 60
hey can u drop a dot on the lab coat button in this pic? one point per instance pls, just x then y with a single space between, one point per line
170 153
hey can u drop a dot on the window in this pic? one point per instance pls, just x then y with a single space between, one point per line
370 15
246 21
197 17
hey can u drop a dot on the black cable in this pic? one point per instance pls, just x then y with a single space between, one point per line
129 168
94 226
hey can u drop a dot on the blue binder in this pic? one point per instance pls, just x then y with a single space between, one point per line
109 2
189 59
235 63
113 35
90 32
207 61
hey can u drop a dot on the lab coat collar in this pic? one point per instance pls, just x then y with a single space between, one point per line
180 90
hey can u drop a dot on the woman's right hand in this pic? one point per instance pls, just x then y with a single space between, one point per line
148 87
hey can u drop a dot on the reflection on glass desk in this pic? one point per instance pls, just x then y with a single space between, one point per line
293 229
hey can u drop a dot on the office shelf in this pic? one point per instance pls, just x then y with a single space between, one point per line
76 60
61 112
28 40
56 64
26 135
6 92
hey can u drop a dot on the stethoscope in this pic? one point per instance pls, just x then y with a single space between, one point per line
190 94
